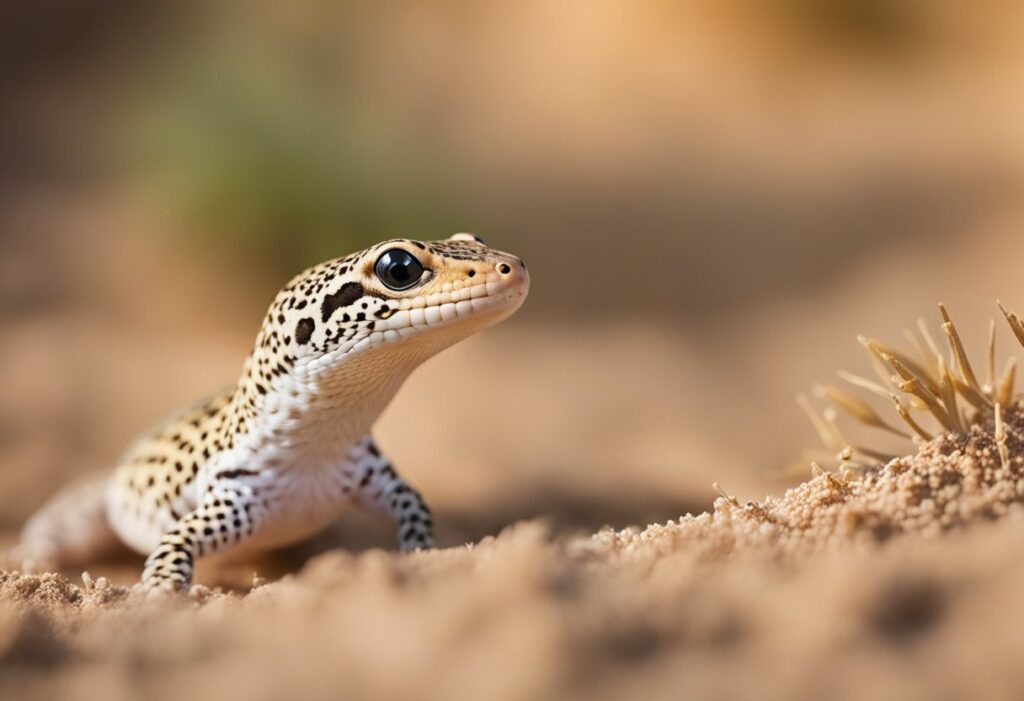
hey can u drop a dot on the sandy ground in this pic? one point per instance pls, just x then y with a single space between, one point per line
889 587
856 589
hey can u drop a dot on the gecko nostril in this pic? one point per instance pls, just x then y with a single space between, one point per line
471 273
504 269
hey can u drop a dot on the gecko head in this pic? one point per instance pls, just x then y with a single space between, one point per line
415 296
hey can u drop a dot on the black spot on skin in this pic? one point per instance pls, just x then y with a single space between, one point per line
349 293
304 331
235 474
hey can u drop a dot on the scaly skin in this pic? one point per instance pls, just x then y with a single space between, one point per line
275 459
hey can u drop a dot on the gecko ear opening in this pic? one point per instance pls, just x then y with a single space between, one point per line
466 237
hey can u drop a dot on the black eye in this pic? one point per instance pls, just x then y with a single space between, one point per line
398 269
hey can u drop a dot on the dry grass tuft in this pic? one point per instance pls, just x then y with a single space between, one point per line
940 386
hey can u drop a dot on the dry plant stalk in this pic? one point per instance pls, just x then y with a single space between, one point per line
1004 452
728 497
944 387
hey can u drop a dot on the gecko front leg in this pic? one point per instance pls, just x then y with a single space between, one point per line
381 489
224 519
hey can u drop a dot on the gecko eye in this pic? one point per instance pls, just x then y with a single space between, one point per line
398 269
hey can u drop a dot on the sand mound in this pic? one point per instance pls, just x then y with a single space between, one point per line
952 481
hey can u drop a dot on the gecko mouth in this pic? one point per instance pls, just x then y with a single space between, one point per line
488 301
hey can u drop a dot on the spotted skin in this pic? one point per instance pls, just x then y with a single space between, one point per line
381 489
276 458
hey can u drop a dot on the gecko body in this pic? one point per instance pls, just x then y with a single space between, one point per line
276 458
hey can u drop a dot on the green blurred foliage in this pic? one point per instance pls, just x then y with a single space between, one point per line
249 161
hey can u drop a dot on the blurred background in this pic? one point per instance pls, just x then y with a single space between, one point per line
713 198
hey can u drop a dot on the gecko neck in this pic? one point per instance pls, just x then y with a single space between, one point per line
324 407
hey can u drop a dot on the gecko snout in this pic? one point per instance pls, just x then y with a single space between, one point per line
512 271
511 267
